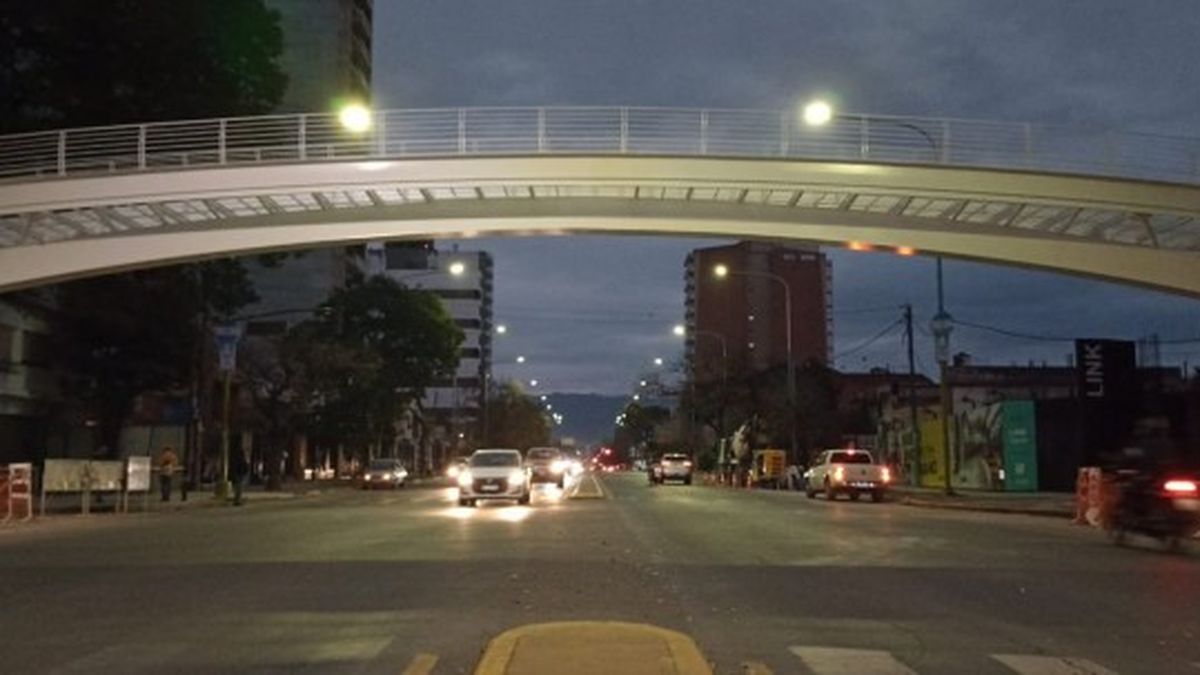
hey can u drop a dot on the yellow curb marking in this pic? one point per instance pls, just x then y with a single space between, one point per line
583 638
422 664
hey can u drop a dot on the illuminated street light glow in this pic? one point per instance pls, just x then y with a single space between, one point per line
520 359
680 330
818 113
457 268
533 383
355 118
501 329
658 362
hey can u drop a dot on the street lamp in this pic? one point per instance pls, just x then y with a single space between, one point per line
722 271
941 325
820 113
682 331
355 118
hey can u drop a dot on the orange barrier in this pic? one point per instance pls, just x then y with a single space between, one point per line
1092 494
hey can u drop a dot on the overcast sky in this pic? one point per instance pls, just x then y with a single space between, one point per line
591 313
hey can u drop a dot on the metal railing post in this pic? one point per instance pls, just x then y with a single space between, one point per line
541 129
864 138
141 147
624 130
704 132
462 131
944 146
785 131
62 153
302 137
222 143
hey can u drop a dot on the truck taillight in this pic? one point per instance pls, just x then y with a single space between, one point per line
1181 487
839 473
886 475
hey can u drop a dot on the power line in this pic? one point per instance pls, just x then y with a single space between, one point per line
863 345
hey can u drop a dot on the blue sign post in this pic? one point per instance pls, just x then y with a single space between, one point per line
227 336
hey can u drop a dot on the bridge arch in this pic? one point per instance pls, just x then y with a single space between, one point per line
72 205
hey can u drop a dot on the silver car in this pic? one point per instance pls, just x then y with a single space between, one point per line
495 473
384 473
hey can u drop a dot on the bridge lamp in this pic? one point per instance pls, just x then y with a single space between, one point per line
818 113
457 269
355 118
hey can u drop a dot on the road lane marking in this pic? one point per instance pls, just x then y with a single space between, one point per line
839 661
422 664
1026 664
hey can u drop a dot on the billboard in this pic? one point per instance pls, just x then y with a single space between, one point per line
1106 388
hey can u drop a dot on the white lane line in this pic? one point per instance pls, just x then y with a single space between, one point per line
422 664
838 661
1026 664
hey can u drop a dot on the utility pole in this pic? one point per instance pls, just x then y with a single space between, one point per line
915 448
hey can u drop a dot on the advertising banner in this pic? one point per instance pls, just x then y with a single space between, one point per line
933 472
1106 382
1019 434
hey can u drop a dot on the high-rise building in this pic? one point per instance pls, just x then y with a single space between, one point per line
463 281
327 59
326 52
739 322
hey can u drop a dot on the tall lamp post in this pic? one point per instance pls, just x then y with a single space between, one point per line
722 271
941 325
455 269
682 331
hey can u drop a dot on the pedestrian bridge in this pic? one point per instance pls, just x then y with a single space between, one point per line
79 202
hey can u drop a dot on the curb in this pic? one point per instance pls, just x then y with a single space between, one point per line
986 508
592 648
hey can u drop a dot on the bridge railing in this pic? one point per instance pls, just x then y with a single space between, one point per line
598 130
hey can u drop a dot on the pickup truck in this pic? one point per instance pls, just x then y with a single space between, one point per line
847 471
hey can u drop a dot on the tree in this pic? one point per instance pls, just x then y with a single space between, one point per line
65 64
516 419
368 357
637 427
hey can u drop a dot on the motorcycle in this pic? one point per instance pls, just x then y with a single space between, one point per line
1163 506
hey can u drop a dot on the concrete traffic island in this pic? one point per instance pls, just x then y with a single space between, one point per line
592 648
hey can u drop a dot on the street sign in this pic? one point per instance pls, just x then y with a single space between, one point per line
227 335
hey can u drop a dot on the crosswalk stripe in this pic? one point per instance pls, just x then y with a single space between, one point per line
1026 664
840 661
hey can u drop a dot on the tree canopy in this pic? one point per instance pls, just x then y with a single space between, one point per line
66 63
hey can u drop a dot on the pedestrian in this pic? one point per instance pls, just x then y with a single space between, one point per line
239 473
168 463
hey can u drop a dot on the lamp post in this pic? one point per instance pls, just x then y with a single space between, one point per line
941 325
722 271
682 331
455 269
819 113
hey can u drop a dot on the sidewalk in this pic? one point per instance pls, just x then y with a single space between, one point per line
1053 504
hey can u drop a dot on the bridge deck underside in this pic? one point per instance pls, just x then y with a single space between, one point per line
990 215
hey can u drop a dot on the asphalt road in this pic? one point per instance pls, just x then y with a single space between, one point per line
764 582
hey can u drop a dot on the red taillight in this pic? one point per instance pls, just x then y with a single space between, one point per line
1181 487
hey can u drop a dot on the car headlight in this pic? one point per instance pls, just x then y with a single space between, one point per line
517 476
464 478
558 467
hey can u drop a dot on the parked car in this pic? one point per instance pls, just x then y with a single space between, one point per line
494 473
384 473
674 466
546 465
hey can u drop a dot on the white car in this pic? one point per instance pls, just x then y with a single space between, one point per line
494 473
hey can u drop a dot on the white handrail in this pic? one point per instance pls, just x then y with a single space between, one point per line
598 131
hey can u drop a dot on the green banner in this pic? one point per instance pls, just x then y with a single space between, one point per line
1020 446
